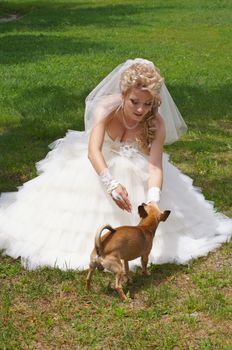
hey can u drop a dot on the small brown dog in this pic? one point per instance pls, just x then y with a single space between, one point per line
125 243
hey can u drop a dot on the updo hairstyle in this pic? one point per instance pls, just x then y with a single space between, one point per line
148 78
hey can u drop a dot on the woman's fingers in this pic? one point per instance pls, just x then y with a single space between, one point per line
123 206
125 201
120 205
120 196
124 189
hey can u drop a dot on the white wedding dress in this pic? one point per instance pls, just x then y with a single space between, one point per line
53 218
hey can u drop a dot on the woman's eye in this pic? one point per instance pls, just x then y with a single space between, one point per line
134 102
148 104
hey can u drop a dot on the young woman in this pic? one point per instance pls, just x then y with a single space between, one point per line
101 176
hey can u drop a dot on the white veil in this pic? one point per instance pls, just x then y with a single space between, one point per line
106 97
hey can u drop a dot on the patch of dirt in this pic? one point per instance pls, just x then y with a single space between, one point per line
218 259
10 18
184 284
138 303
206 328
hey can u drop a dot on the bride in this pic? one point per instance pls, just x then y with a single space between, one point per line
101 175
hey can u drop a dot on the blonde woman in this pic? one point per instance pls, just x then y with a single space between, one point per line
101 175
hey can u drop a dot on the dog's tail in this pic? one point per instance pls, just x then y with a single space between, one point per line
98 243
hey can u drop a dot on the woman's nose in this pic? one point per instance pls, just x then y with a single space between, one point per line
140 109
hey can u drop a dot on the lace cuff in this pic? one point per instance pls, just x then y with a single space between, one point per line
108 181
153 195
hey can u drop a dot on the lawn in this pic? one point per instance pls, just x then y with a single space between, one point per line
50 59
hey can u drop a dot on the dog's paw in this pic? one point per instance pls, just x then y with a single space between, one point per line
128 279
146 273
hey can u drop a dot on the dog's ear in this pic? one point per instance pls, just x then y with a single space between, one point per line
165 215
142 212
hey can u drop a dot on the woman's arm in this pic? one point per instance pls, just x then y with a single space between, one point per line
98 162
95 147
156 154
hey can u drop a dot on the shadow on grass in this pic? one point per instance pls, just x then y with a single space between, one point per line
159 274
48 111
21 48
43 15
202 103
49 103
19 44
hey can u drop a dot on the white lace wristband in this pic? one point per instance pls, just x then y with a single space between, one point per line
153 195
108 181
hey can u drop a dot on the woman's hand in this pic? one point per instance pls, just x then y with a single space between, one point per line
120 196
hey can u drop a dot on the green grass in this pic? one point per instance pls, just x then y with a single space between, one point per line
177 307
49 60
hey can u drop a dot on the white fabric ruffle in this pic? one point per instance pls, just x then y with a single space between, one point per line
52 219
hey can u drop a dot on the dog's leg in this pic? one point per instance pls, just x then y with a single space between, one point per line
128 279
144 262
118 285
114 264
92 268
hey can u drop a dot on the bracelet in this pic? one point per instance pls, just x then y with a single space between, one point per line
153 195
108 181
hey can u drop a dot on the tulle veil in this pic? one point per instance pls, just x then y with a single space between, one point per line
106 97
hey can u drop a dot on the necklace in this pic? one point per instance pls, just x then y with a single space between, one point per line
125 123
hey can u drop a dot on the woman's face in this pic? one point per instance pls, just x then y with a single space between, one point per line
137 103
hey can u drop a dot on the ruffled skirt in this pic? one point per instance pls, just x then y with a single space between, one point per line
53 218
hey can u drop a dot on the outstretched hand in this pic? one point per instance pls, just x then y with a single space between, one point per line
120 196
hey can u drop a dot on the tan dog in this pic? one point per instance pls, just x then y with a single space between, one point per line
125 243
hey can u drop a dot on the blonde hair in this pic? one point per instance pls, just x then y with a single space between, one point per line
147 78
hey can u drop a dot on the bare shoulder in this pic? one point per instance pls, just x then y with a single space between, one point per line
160 127
109 118
159 120
104 121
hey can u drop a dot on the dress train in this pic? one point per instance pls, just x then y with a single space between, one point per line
52 219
